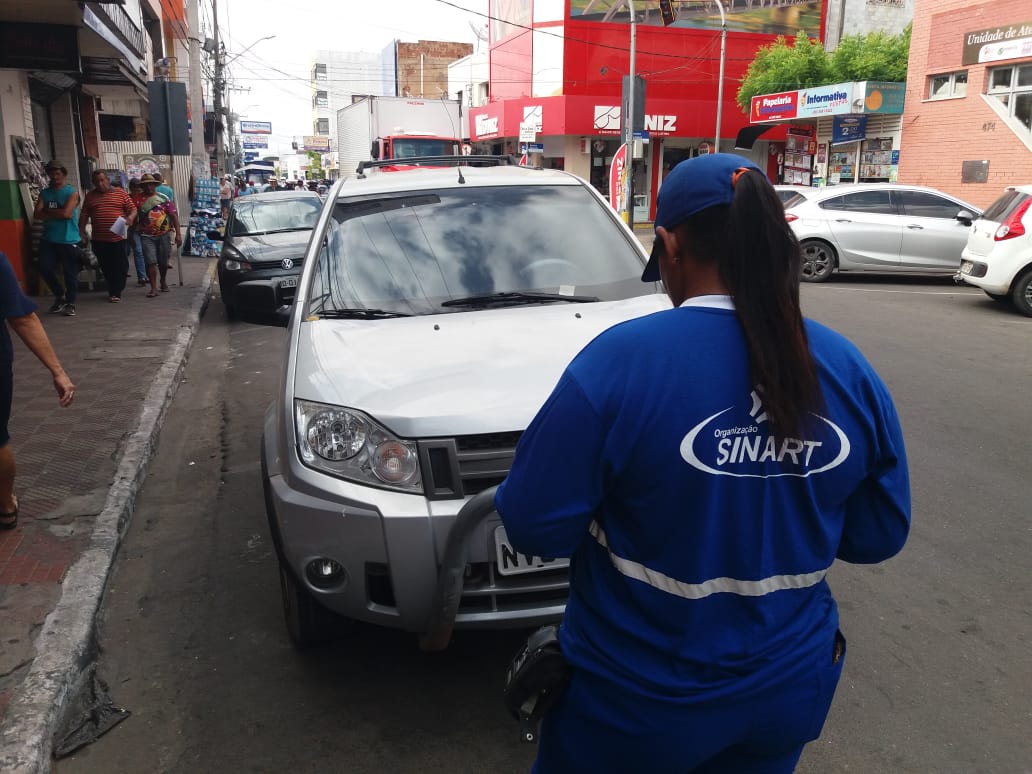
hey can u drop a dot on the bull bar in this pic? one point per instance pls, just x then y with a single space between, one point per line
448 592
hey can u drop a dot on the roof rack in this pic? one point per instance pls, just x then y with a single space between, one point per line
439 161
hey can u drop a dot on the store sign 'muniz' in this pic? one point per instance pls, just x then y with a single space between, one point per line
607 121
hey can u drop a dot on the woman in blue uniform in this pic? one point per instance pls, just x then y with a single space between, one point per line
704 466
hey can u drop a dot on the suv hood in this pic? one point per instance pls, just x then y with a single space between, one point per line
452 374
273 248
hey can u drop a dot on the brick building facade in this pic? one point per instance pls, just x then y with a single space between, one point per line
967 124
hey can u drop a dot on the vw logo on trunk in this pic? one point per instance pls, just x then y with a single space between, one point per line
286 263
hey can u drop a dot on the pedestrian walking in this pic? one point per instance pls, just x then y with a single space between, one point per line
111 213
166 190
135 244
158 222
705 466
20 313
226 195
58 208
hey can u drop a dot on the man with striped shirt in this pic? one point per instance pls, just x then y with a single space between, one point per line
102 207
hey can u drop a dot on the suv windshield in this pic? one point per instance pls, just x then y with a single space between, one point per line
413 252
287 214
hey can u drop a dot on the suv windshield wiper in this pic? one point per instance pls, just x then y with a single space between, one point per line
358 314
517 297
275 231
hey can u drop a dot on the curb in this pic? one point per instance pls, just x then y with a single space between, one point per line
66 643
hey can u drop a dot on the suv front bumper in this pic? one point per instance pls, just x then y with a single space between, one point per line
391 547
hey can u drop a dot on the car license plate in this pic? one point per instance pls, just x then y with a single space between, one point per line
512 563
288 282
965 267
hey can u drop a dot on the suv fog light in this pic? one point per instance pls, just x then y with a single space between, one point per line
325 573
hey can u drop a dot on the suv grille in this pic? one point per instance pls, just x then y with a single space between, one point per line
485 590
454 468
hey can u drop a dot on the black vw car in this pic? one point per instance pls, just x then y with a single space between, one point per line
266 236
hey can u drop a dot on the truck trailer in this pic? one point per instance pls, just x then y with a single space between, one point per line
396 128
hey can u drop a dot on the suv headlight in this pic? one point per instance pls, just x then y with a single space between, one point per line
350 445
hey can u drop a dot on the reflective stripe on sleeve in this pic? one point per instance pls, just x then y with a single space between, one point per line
744 588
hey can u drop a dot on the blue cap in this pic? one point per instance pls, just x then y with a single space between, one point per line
693 186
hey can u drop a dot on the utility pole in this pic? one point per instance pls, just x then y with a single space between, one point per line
198 153
629 130
220 143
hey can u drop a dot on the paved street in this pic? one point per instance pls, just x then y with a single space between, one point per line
193 644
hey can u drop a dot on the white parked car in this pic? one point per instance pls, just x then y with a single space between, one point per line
880 227
998 255
793 194
435 312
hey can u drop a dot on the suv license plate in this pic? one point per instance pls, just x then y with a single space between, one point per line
512 563
965 267
288 282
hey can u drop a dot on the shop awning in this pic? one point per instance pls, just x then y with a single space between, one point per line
45 87
102 71
748 135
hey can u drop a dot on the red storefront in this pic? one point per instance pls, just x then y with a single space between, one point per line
559 64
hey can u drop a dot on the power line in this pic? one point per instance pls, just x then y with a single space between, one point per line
563 36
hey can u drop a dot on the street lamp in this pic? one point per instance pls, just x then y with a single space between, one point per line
237 56
720 78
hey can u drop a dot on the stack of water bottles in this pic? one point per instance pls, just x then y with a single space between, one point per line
205 216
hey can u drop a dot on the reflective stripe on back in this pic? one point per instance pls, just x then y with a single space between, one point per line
743 588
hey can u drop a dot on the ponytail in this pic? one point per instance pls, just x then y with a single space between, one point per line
759 261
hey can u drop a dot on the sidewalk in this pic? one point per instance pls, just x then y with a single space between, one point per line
78 473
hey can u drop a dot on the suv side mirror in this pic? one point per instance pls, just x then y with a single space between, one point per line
965 217
215 236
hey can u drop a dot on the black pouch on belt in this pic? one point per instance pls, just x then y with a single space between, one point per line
535 680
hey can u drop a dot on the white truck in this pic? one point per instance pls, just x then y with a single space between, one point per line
395 128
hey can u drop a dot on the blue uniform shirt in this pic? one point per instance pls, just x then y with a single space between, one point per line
700 542
13 303
60 231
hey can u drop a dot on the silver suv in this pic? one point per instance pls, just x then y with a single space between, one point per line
435 312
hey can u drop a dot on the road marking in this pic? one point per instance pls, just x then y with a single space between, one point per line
913 292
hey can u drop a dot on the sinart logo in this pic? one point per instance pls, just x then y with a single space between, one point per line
733 442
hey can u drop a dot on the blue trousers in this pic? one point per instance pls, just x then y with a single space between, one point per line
599 727
141 266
